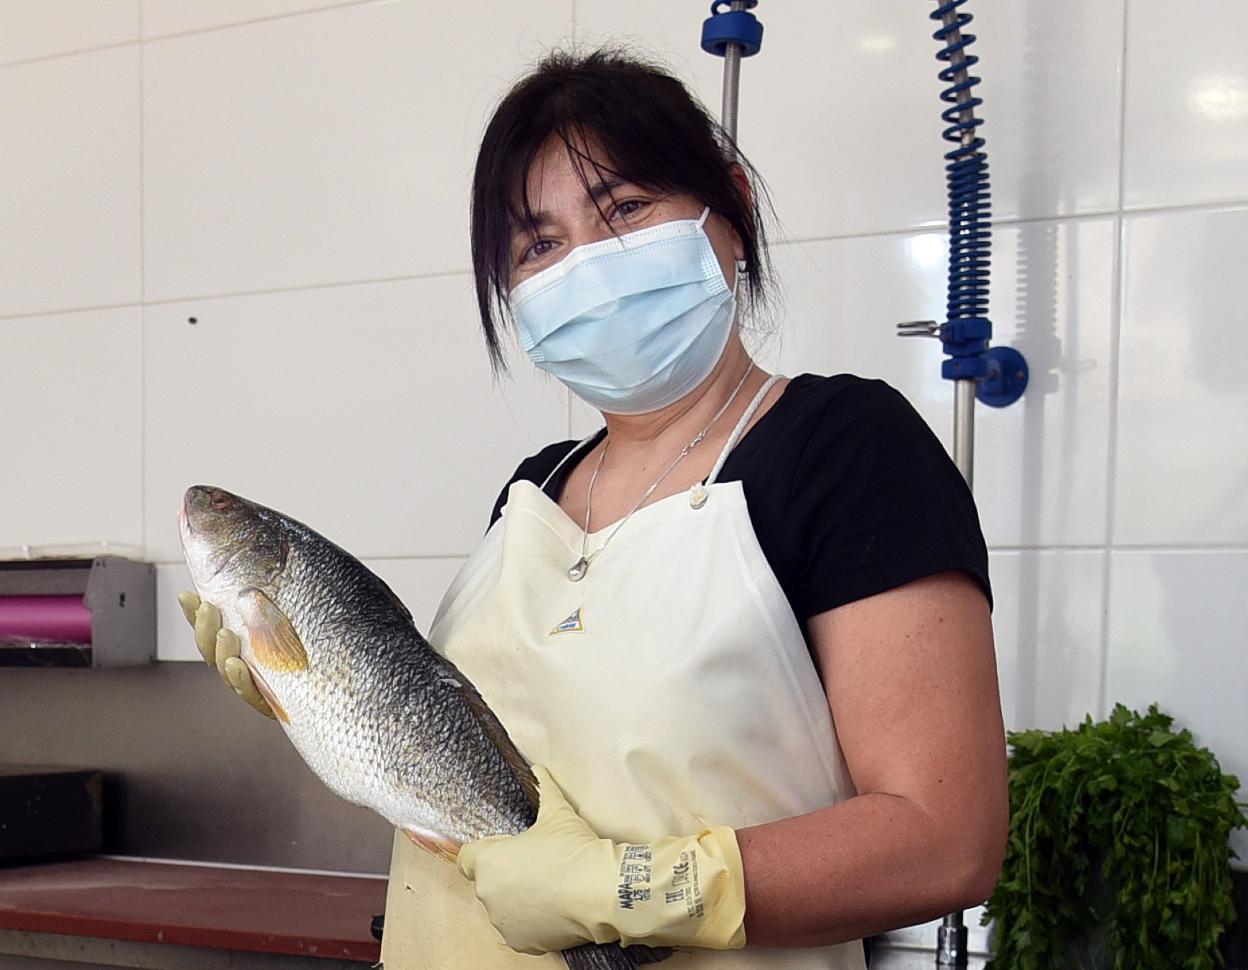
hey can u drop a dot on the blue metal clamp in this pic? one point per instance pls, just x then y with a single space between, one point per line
999 373
1006 378
727 26
965 340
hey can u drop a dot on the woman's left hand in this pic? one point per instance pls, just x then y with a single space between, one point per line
559 884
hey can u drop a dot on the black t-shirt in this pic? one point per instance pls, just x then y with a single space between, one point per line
849 492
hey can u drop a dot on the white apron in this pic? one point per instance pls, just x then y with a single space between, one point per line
669 689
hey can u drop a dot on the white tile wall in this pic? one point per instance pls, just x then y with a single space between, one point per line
1177 621
173 637
1047 623
298 183
71 408
364 411
30 30
419 583
1042 464
164 17
299 165
1182 472
843 96
70 182
1186 129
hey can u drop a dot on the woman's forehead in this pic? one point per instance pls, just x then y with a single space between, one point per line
570 184
567 171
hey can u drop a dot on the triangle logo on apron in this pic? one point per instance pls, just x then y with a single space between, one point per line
573 624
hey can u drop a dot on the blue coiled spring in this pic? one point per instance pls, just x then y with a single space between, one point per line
970 223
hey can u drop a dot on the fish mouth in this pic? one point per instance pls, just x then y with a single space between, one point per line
188 532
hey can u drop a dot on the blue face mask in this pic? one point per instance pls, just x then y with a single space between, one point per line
632 323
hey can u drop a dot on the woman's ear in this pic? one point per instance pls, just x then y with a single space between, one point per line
740 182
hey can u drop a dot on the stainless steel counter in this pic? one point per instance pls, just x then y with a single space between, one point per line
907 958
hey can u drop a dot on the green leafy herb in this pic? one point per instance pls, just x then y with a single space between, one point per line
1118 853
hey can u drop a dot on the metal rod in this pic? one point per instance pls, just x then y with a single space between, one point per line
732 81
964 429
951 944
951 938
954 37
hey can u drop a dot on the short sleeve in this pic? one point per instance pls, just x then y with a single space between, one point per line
879 503
536 469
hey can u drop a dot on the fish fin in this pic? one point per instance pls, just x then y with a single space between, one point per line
268 696
497 734
274 642
397 603
444 848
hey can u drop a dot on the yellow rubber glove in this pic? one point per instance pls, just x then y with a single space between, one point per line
220 649
559 885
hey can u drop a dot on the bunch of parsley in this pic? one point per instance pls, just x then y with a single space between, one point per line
1118 852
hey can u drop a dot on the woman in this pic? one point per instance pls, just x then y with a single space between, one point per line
724 623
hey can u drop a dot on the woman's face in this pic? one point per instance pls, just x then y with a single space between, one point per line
567 216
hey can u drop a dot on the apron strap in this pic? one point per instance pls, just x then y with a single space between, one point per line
562 461
739 430
733 438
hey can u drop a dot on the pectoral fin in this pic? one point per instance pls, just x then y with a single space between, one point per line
269 698
274 643
440 846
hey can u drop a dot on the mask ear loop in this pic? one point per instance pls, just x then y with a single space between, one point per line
739 266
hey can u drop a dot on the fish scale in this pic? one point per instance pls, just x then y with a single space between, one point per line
382 718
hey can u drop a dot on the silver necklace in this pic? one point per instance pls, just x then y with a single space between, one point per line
577 571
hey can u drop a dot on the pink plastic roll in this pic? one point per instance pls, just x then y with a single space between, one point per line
63 619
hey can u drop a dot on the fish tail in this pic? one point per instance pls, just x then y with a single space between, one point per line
609 956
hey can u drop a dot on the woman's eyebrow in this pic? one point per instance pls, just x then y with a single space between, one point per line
538 218
529 224
604 189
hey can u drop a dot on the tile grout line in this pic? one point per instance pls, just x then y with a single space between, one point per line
1091 215
137 41
143 423
1118 215
62 311
234 294
140 39
1186 549
1180 547
421 557
342 4
1117 305
266 291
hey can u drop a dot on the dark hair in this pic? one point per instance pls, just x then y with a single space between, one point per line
649 131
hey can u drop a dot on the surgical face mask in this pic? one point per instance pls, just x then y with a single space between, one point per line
632 323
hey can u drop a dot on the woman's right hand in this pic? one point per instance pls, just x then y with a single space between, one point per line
220 648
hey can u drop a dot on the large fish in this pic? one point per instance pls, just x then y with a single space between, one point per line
377 713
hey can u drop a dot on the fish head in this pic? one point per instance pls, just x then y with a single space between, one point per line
230 543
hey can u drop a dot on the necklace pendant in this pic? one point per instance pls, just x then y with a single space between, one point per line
578 570
698 496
